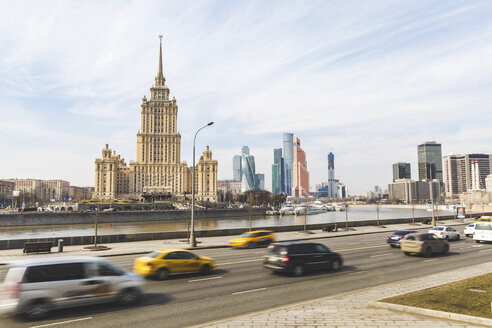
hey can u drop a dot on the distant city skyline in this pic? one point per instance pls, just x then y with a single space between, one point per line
368 82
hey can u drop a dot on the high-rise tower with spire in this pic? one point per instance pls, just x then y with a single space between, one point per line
158 169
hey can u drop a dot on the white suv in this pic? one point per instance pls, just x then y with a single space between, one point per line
469 230
34 287
445 232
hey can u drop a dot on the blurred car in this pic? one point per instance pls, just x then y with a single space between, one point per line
469 230
445 232
483 232
483 219
295 258
32 288
394 239
253 238
424 243
163 262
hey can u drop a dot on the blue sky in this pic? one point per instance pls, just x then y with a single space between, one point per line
367 80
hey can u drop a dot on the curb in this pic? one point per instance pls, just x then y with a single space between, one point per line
432 313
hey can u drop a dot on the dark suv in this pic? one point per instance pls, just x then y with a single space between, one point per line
298 257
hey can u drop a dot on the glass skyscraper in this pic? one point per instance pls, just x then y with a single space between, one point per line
430 161
236 168
401 171
288 148
278 172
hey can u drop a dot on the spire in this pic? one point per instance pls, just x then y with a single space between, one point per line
159 79
160 55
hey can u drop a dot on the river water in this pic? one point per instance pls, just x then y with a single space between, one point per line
354 214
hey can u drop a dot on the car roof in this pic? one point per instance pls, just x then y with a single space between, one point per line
168 250
440 227
53 260
289 243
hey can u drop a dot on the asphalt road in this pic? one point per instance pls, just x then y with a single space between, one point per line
241 285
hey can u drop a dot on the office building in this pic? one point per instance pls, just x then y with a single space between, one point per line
41 191
332 183
408 191
288 151
466 172
158 169
300 174
488 183
236 168
401 170
430 161
278 172
260 181
342 191
248 178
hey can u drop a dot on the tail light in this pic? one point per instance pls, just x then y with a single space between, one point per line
11 290
285 259
149 264
388 237
442 233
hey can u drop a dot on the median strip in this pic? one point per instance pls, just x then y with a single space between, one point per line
249 291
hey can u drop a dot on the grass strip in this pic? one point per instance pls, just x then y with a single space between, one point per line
471 296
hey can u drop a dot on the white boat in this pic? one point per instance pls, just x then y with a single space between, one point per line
340 208
287 209
308 210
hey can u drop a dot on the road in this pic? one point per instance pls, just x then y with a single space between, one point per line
241 285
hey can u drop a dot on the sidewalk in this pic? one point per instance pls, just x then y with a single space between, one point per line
142 247
353 309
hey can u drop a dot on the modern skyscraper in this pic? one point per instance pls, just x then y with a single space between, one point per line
278 172
300 174
401 170
459 172
332 184
245 150
237 171
430 161
288 149
248 178
260 181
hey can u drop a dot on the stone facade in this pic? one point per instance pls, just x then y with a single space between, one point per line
158 168
206 178
41 190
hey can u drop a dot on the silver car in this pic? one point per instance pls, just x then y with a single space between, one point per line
34 287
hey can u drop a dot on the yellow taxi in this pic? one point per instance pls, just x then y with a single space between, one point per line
163 262
253 238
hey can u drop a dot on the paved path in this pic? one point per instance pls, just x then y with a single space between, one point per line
353 310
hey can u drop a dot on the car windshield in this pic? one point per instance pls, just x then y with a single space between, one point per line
247 234
483 226
154 254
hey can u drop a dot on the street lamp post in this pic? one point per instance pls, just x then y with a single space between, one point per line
192 240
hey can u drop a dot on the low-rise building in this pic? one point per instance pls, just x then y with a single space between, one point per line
409 191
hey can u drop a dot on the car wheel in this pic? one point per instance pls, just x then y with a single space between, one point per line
205 269
458 237
298 270
162 274
406 253
130 296
477 241
335 265
445 250
447 237
250 245
392 245
428 252
37 310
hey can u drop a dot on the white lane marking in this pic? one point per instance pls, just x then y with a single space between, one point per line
431 260
203 279
378 255
358 272
474 246
249 291
61 322
237 262
358 248
485 250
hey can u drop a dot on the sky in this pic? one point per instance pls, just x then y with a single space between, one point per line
366 80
